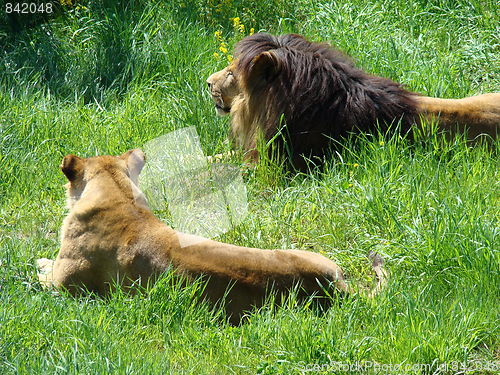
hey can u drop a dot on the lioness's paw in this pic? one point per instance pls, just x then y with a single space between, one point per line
44 272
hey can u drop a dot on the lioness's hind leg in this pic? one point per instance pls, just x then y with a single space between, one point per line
45 269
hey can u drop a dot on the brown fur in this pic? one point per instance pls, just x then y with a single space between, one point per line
110 236
322 96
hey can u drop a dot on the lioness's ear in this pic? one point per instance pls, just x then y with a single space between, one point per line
264 67
135 162
72 166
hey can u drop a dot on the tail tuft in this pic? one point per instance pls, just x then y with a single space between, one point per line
380 272
376 258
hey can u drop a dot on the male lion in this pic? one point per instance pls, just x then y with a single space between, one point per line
111 237
320 96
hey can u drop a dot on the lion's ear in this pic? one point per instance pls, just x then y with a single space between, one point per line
72 167
135 162
264 67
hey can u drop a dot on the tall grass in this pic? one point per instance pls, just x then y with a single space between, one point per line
109 76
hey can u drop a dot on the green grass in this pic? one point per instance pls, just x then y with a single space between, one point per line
107 78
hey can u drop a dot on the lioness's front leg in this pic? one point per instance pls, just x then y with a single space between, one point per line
76 275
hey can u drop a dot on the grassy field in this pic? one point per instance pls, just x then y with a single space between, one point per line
102 78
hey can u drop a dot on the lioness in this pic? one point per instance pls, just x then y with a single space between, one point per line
110 236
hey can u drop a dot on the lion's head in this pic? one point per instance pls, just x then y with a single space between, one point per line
223 87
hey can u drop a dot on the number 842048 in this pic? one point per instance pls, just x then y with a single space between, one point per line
29 8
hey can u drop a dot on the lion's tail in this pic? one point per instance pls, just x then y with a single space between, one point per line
473 116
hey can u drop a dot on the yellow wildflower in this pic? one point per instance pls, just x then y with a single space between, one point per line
252 31
381 143
216 55
230 58
355 165
223 49
236 21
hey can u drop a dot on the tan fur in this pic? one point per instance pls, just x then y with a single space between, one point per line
110 236
473 116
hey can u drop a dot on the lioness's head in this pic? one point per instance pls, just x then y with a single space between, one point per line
95 174
223 86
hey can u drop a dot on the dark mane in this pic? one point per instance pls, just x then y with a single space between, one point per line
317 89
